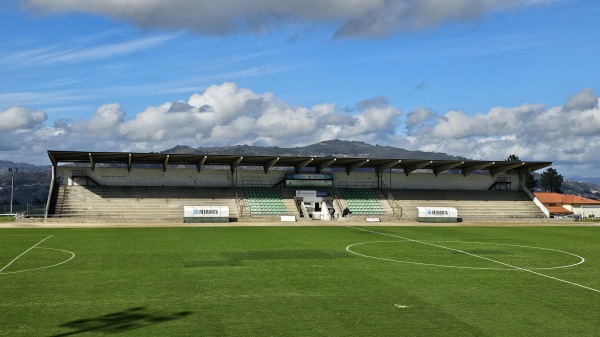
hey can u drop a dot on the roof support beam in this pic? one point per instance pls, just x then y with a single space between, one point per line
439 169
324 165
465 171
419 165
235 164
165 162
298 167
525 170
201 163
504 168
356 165
52 159
92 162
386 166
270 164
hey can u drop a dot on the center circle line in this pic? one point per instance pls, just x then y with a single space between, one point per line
348 248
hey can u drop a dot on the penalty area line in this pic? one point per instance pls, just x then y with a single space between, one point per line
25 252
479 257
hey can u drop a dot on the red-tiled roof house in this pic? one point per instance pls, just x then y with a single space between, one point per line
564 204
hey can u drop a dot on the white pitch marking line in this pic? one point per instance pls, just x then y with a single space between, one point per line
45 267
480 257
581 259
25 252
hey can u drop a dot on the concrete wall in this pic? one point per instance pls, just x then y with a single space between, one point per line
586 210
399 180
355 180
209 177
149 177
258 178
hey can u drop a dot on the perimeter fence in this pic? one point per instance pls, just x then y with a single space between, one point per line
23 209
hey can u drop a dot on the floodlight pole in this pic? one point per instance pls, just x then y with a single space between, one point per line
12 186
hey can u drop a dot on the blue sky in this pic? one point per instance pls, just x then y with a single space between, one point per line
481 79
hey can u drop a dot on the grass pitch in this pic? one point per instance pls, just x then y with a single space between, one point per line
300 281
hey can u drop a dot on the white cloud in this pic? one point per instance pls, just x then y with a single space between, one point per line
229 115
585 99
226 114
18 117
105 120
417 116
367 18
568 134
109 50
78 53
498 121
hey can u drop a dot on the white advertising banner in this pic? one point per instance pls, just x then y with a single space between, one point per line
205 211
437 212
306 193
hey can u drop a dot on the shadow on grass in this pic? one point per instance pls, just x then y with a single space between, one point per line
233 259
116 322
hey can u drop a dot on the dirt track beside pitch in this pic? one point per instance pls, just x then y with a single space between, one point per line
107 224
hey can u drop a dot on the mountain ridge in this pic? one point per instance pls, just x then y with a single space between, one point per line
329 148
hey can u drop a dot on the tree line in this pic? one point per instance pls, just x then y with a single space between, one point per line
550 179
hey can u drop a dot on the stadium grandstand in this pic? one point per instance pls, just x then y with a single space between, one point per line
121 186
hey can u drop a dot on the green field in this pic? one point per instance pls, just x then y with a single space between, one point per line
300 281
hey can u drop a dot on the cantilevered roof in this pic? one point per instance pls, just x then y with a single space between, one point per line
298 163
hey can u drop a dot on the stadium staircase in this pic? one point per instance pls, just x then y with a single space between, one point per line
140 203
470 204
